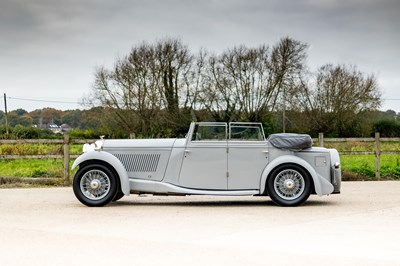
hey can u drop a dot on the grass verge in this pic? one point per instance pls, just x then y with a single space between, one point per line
18 182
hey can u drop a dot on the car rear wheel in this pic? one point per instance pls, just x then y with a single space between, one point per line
95 185
289 185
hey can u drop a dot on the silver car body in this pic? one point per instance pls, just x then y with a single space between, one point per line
222 165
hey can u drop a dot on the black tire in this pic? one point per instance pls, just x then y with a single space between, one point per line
289 185
118 196
95 185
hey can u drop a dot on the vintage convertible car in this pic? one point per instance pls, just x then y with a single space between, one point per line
213 159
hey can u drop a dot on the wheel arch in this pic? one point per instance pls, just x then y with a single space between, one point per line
290 159
108 160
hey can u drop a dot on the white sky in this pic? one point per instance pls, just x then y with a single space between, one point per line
50 48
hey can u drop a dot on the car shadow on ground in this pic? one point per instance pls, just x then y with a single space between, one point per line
215 203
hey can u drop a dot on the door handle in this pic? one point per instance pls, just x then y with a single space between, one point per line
186 152
265 151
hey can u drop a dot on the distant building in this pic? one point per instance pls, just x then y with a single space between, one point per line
65 128
55 129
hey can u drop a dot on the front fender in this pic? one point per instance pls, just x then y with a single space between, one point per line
322 186
109 159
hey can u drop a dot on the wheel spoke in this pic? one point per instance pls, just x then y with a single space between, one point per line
95 184
289 184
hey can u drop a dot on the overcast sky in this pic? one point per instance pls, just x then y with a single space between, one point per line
50 48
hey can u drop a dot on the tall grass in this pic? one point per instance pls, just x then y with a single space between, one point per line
37 149
362 146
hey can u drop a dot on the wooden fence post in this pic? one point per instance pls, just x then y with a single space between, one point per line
66 159
377 156
321 139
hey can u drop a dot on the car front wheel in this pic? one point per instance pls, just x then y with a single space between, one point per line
95 185
289 185
118 196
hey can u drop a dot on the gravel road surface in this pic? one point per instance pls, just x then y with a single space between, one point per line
49 226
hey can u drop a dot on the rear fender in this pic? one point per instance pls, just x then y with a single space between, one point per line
109 159
322 187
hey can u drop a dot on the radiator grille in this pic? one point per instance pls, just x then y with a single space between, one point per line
139 162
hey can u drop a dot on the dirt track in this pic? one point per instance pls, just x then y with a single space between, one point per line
50 227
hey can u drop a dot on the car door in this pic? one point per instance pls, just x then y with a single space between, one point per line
247 156
204 164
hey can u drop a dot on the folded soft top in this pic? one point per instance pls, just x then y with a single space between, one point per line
290 141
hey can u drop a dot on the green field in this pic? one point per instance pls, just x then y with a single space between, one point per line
35 172
355 167
31 168
362 167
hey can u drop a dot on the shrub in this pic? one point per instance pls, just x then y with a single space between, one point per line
21 132
387 128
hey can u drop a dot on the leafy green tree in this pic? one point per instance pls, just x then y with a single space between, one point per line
12 118
20 112
51 116
72 118
387 128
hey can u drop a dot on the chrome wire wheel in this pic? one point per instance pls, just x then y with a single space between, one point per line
289 184
95 184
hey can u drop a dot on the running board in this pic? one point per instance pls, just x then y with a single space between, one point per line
155 187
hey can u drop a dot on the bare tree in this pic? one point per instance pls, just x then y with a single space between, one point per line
237 87
336 96
175 76
131 89
164 86
147 87
246 83
287 67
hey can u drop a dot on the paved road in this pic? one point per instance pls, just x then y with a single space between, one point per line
50 227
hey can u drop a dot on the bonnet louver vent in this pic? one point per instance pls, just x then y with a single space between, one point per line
139 162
